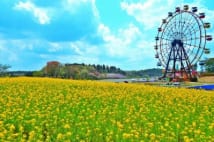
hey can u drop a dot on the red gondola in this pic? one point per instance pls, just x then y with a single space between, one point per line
201 15
177 9
209 37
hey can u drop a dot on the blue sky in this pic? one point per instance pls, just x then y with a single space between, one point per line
111 32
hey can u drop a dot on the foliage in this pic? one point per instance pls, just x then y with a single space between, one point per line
209 65
44 109
21 73
78 71
4 69
37 74
145 73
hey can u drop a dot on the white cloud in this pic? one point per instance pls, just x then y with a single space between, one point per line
83 48
127 44
130 34
6 54
95 10
76 48
150 12
54 47
73 6
40 14
78 59
77 2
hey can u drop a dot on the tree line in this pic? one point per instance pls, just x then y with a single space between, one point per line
89 71
77 71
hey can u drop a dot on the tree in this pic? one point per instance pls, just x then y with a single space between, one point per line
112 69
38 73
83 74
209 65
3 69
53 69
99 68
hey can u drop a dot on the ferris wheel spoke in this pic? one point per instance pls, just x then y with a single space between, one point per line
192 45
192 31
172 27
170 30
190 39
188 21
190 50
163 44
176 27
181 26
193 57
169 36
184 24
187 25
165 39
193 39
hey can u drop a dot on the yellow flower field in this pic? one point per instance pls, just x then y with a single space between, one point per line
43 109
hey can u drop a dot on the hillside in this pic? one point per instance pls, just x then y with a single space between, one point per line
84 71
144 73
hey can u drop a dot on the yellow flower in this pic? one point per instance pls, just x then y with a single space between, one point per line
120 125
152 136
127 135
178 126
150 124
1 135
68 134
66 126
186 139
194 124
59 136
197 132
31 135
12 128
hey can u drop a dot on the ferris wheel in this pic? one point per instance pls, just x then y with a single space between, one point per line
181 41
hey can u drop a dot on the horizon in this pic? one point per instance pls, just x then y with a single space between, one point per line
78 64
114 32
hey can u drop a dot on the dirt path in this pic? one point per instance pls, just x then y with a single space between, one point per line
207 79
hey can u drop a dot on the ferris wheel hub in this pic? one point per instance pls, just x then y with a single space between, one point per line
177 42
